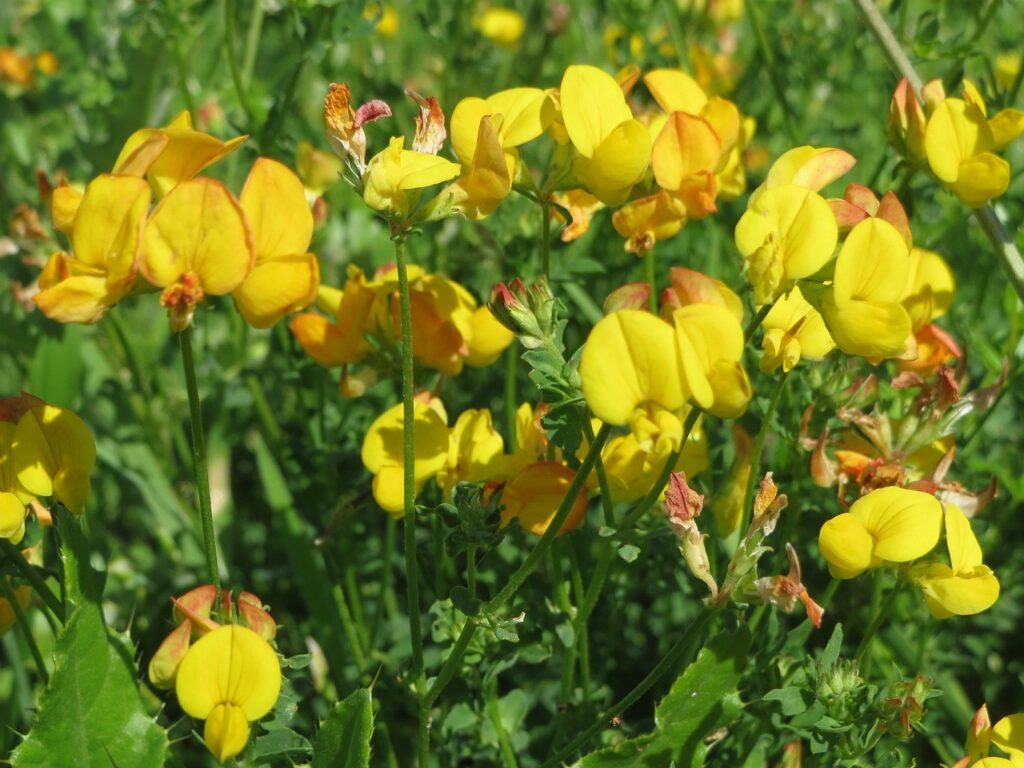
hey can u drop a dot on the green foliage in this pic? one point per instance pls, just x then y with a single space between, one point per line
343 740
91 714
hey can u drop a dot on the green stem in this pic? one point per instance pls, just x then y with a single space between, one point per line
454 661
754 14
252 41
471 569
24 628
230 11
755 321
1006 251
581 636
607 505
510 398
195 409
650 270
755 457
32 576
508 754
668 662
412 578
265 414
545 243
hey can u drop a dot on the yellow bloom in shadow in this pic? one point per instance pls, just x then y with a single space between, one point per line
475 451
709 340
229 678
535 493
964 587
888 525
382 451
284 277
53 454
793 329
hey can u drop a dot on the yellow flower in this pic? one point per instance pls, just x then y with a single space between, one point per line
105 233
318 170
628 363
634 461
709 340
386 16
342 341
53 454
196 242
964 587
930 288
688 286
504 26
382 451
793 329
645 221
284 276
393 172
888 525
229 678
907 123
475 451
170 155
13 497
534 495
809 167
1008 735
961 142
613 149
788 232
863 310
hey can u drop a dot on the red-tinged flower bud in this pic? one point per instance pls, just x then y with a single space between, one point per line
253 615
163 667
907 123
510 306
628 296
196 606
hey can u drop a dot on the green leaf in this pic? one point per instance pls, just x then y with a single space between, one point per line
343 740
55 374
789 698
831 653
91 713
702 699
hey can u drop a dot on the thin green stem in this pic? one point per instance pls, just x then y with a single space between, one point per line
607 505
756 25
545 240
581 636
668 662
471 569
230 12
755 457
454 660
755 321
32 576
510 397
1006 250
24 628
412 577
880 615
252 41
650 272
508 755
195 410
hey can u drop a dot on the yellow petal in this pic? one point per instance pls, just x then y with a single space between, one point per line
382 445
708 335
626 362
230 665
930 292
686 146
187 153
1006 126
53 454
389 490
488 338
731 389
618 163
76 299
526 114
724 118
422 170
956 132
809 167
226 732
981 179
873 264
63 207
1008 733
12 516
276 287
964 550
592 107
465 125
140 152
199 227
874 330
952 594
904 523
534 495
675 91
322 340
275 206
109 222
846 546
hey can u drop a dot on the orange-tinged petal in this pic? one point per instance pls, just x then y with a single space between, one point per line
686 145
141 152
276 287
321 340
275 206
592 107
534 495
230 665
810 167
675 91
200 228
626 362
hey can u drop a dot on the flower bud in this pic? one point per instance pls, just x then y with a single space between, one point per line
253 616
907 122
163 667
509 305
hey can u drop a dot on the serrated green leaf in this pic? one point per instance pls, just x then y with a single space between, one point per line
343 740
701 700
91 713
